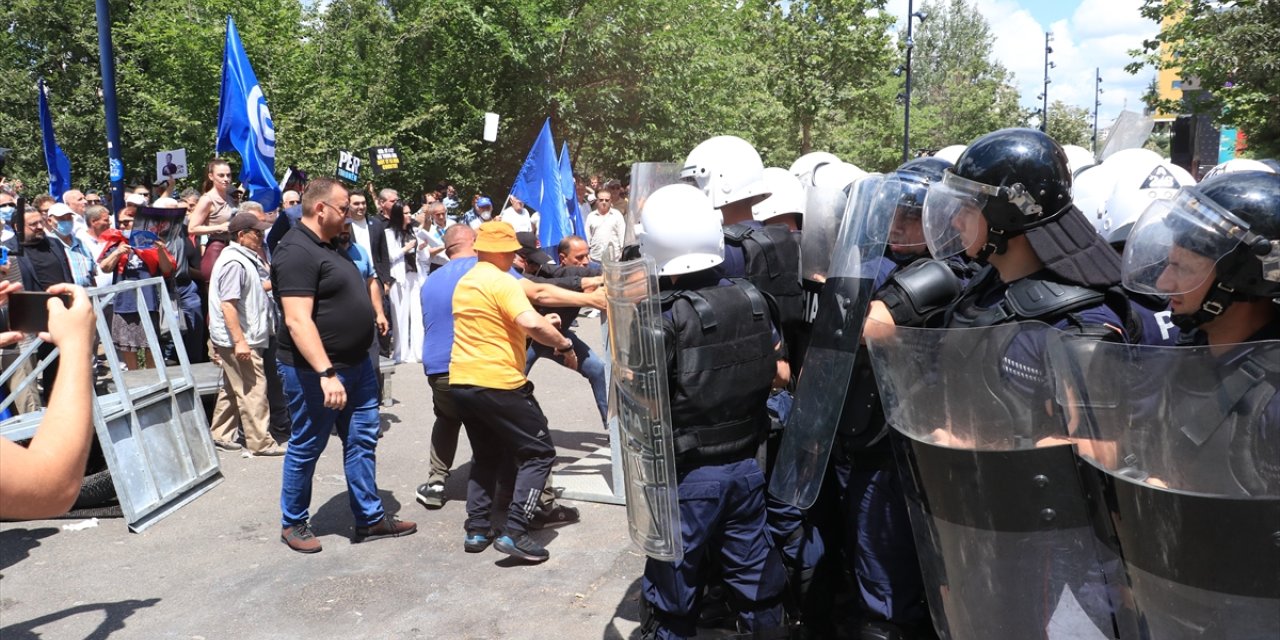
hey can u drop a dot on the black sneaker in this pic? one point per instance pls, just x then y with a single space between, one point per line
557 515
523 547
477 541
431 495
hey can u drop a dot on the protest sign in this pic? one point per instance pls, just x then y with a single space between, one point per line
348 166
171 164
384 159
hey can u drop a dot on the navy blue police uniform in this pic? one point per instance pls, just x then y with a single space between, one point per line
719 343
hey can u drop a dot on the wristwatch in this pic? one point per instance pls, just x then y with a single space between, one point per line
566 349
329 373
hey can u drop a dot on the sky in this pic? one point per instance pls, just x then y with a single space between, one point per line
1086 34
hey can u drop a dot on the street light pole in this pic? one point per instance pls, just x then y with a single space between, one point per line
1097 102
1044 108
906 114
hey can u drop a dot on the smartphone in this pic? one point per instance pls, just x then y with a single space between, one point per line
29 311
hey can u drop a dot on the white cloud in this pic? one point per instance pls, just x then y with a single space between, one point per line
1099 34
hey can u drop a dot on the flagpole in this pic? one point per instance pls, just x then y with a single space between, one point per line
106 58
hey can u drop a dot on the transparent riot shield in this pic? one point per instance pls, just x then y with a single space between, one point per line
646 177
833 343
826 194
1184 471
996 502
639 402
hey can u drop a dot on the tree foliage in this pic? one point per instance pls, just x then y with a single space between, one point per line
622 81
1070 125
1233 49
958 91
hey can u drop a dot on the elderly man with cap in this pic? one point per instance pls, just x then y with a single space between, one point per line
62 222
507 429
241 321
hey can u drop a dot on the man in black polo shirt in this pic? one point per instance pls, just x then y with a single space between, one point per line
323 360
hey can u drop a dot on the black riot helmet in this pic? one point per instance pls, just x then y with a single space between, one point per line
1232 221
910 184
1019 182
930 168
1017 178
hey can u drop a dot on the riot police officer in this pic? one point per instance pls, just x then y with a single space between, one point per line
722 358
861 511
1181 440
998 534
729 171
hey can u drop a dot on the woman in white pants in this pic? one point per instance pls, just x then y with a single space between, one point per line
402 247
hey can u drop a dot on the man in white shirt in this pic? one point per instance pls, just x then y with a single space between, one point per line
97 220
519 217
605 228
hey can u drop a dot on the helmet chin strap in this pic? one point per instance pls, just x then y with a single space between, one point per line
997 243
1215 303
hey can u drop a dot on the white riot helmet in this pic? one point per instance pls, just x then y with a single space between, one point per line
810 161
1078 158
680 230
951 153
727 169
787 196
1133 194
1238 164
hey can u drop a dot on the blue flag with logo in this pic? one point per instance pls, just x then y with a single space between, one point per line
244 123
570 191
538 185
57 162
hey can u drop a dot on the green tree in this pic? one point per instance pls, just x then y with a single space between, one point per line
958 91
824 56
1070 124
1231 48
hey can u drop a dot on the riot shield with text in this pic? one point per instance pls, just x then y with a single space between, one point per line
833 344
996 502
646 177
639 402
1184 475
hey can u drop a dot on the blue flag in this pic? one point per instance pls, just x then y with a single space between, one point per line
57 162
571 192
538 185
244 123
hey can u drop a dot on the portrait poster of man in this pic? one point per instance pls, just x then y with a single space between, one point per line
171 164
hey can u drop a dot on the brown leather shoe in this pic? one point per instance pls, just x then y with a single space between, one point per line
388 527
300 538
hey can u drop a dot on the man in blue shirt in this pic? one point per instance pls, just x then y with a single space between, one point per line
437 312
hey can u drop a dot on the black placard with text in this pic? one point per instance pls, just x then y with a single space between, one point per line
384 159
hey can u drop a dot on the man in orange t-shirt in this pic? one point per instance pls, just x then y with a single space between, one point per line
507 429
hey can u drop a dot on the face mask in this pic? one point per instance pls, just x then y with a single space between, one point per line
6 212
485 215
66 227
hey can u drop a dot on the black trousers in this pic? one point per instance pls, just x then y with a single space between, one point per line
511 447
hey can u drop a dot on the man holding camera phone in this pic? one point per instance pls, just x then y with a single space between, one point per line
43 479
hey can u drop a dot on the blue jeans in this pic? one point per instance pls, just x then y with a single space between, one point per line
357 425
590 366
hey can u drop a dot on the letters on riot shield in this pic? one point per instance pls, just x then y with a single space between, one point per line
639 400
833 345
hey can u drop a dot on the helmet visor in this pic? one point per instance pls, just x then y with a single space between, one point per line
953 219
906 234
1175 245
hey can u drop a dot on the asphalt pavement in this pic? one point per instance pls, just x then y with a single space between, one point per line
217 569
